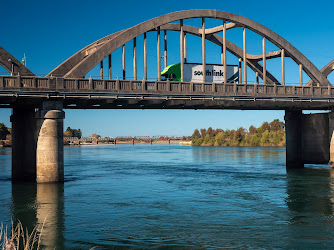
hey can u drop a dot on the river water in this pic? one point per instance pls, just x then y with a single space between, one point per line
173 196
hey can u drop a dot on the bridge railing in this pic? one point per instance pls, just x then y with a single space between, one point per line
53 84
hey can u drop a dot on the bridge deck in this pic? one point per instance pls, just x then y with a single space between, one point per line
111 94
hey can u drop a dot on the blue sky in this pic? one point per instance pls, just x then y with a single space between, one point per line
51 31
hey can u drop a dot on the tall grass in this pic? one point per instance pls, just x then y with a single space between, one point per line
20 238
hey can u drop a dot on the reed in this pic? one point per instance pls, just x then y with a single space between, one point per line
20 238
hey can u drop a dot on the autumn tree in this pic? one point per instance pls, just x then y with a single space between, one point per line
252 129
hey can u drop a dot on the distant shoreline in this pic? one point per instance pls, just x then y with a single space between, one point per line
129 142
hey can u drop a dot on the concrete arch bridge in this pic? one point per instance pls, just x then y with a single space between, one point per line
67 86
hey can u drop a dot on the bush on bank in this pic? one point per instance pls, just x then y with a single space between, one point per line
268 134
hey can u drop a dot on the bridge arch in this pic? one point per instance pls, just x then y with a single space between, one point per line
329 68
81 63
12 65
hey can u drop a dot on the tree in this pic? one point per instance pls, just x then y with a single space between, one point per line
196 135
276 125
210 131
67 133
252 129
73 132
96 136
265 126
265 137
240 134
268 134
3 131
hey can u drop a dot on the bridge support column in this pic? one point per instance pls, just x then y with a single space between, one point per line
23 144
331 137
50 147
294 150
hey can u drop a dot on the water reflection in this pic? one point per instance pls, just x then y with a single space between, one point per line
311 190
24 204
38 204
310 201
247 156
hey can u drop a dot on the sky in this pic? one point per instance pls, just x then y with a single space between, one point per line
49 32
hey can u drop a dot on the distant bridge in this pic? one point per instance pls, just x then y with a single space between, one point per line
309 137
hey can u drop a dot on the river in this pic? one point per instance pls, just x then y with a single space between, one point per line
173 196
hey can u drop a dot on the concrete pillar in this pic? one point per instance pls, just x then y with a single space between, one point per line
283 66
165 48
185 47
135 59
50 148
301 74
244 56
145 57
331 138
224 51
203 50
264 60
159 54
123 61
109 67
181 50
23 144
294 149
101 69
315 138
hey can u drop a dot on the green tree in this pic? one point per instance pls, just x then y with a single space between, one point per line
195 135
72 132
3 131
268 134
265 137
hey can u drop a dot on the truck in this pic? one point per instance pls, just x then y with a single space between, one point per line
193 72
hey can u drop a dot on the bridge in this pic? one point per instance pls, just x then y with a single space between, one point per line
38 102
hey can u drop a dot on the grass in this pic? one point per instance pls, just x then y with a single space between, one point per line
20 238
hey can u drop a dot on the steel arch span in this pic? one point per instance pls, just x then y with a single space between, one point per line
86 59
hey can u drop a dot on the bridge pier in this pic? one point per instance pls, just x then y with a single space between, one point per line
23 144
331 137
309 138
50 145
294 158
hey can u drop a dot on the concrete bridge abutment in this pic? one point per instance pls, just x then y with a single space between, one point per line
50 144
309 138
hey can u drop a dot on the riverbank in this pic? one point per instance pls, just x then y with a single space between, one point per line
128 142
5 143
